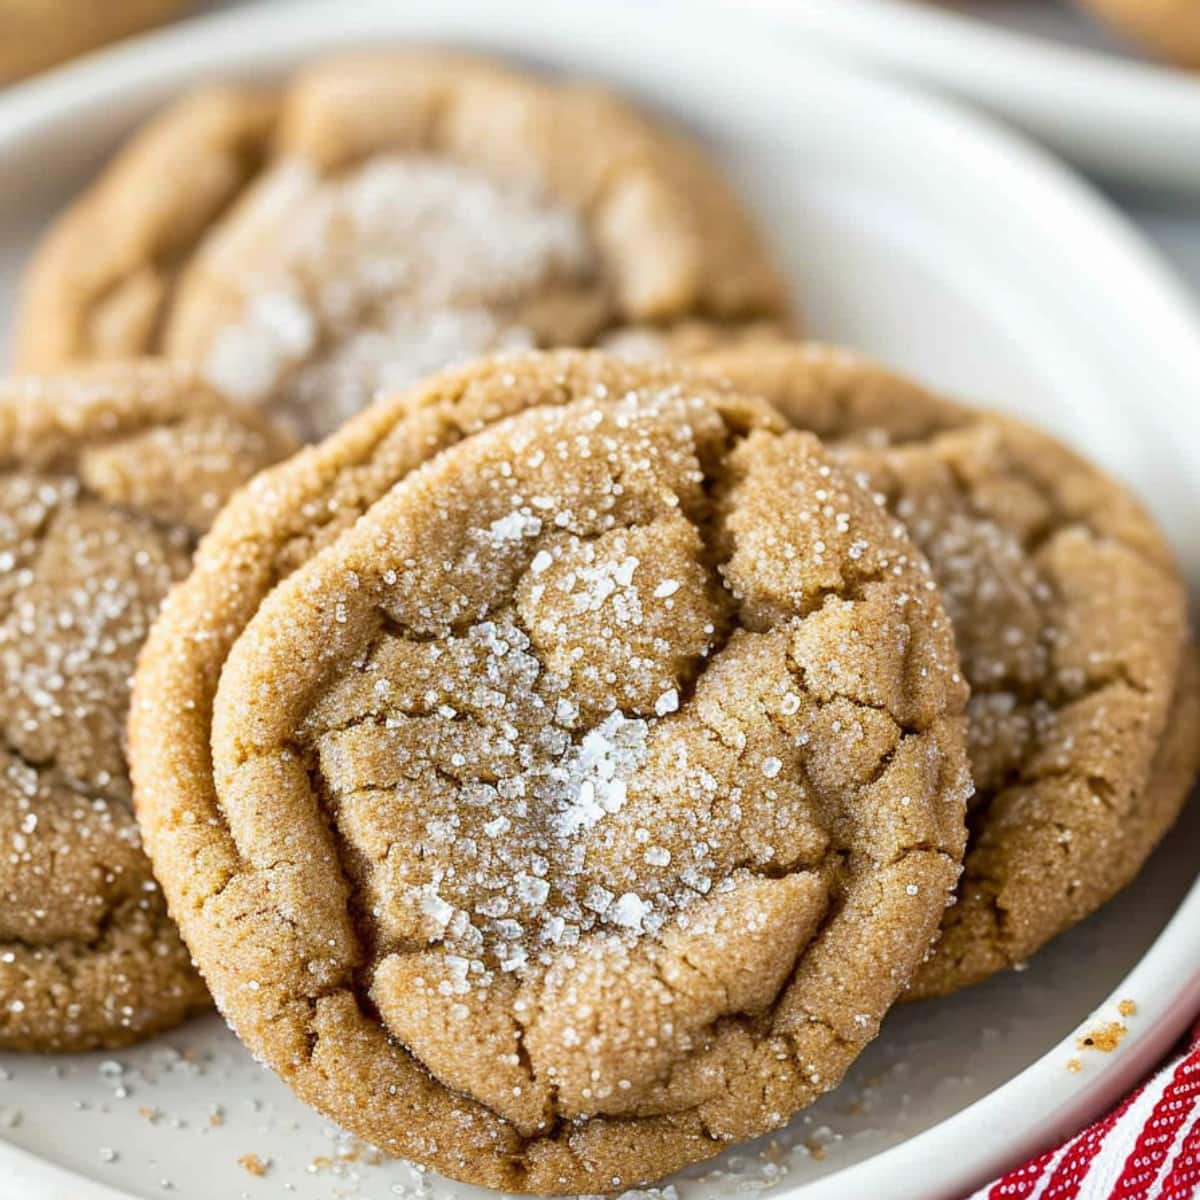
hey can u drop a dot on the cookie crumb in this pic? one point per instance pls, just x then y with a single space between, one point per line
1127 1008
1106 1037
254 1165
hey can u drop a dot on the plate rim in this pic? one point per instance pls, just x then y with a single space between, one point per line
1128 119
147 68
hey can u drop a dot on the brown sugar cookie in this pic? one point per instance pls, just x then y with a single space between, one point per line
35 34
107 477
1167 29
1071 622
382 217
689 339
573 807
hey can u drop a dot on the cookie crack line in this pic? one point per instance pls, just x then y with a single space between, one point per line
103 936
1060 520
324 790
558 1122
1022 773
1030 694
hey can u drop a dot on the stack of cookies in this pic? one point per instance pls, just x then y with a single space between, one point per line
558 767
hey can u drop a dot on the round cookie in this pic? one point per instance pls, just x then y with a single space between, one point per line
1168 29
107 477
381 218
35 34
572 808
1071 622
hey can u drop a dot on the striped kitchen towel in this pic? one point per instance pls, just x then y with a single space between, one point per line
1147 1148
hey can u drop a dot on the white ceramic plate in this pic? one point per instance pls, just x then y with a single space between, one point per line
1047 70
911 231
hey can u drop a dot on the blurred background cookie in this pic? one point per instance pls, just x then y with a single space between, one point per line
385 216
1167 29
108 475
35 34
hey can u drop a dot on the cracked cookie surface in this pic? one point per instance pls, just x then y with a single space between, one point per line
573 807
383 217
107 478
1070 616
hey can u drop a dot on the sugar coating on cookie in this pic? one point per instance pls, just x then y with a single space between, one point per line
385 216
107 477
372 280
580 808
1070 617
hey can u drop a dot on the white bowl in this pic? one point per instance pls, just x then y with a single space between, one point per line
912 231
1128 119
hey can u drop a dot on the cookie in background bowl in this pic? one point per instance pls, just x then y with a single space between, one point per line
381 217
36 34
1167 29
108 475
1071 620
558 772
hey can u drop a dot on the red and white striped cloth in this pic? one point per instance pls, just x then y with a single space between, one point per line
1147 1148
